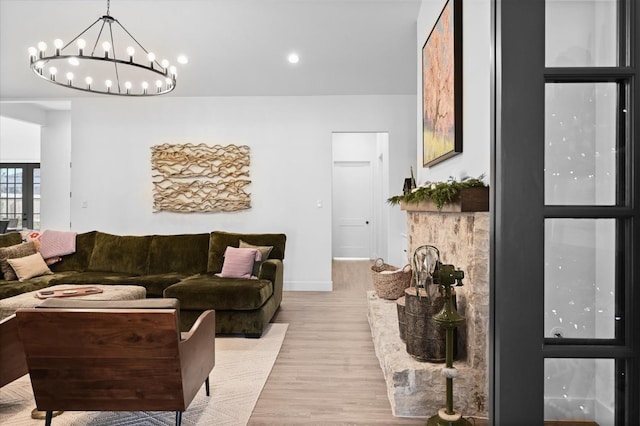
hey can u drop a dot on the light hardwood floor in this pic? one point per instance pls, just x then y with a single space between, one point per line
327 372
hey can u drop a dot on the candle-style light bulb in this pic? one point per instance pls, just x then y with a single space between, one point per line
173 71
145 86
42 47
88 80
131 51
106 46
158 86
127 85
52 72
81 45
57 43
70 78
151 57
165 65
33 53
108 83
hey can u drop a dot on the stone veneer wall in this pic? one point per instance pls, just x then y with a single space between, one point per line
463 240
416 388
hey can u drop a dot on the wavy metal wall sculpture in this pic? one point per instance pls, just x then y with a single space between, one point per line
200 178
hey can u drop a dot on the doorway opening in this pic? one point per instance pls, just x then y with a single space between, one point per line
360 188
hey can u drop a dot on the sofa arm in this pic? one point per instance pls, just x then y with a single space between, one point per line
273 270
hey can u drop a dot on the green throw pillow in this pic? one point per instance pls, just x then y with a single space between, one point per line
264 251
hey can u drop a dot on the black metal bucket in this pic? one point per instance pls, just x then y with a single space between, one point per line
425 340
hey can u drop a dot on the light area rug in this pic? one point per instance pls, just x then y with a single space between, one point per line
241 370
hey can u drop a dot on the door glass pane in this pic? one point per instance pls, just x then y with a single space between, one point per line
579 278
581 33
36 199
579 389
580 143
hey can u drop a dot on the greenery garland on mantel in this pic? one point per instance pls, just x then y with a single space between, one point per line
439 193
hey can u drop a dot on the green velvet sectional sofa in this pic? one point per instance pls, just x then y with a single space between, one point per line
177 266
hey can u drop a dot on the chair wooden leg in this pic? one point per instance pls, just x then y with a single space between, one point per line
178 418
206 386
48 417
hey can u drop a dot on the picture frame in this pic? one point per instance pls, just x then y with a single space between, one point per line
442 87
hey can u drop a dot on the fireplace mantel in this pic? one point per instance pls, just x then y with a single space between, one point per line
470 200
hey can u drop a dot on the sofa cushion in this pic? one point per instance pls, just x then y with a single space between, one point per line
179 253
121 254
155 284
10 239
13 252
92 277
207 291
78 261
14 288
221 240
49 280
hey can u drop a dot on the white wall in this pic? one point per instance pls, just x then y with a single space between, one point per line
290 141
19 141
55 173
476 139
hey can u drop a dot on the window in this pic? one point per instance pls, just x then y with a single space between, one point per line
20 194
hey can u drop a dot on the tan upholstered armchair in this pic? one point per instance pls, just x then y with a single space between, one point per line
115 356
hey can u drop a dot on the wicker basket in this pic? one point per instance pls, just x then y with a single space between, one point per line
390 285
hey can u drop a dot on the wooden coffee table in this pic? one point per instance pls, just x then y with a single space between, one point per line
10 305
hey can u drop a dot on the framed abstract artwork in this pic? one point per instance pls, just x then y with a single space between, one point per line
442 87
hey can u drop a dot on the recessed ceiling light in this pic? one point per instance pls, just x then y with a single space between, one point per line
293 58
182 59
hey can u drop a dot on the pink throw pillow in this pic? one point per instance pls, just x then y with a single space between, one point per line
238 262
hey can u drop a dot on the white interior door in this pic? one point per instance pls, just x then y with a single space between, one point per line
353 209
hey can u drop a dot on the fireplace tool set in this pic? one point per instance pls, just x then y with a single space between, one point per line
435 277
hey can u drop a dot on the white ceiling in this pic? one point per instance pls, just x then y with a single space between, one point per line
235 47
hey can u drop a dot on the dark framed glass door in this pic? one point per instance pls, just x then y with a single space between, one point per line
20 195
566 212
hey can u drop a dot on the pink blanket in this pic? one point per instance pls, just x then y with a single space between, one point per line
57 243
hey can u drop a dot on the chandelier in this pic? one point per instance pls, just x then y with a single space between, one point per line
109 65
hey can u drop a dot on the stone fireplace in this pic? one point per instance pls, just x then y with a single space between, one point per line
417 388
